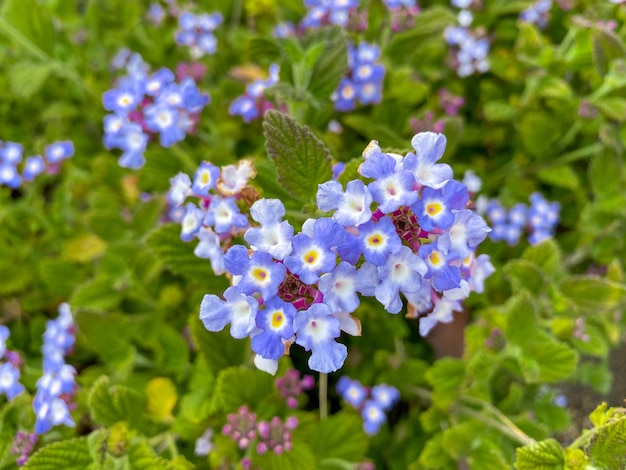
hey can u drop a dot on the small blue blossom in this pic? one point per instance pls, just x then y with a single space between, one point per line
123 99
9 175
274 236
340 286
238 309
465 233
328 11
133 142
352 207
4 335
9 381
11 153
434 208
224 215
276 325
205 179
180 188
351 391
259 273
442 313
386 396
537 13
378 240
158 80
310 257
196 32
33 166
429 148
191 222
373 417
209 248
163 119
316 330
403 271
443 276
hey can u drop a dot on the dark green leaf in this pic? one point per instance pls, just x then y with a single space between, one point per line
302 161
111 404
70 454
237 386
340 436
219 348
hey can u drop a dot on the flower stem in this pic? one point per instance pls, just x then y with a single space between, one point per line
323 391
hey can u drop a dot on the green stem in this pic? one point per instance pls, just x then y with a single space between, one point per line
323 390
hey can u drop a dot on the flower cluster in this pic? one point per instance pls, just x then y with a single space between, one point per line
55 389
216 218
449 104
372 403
11 154
418 240
364 80
540 219
253 104
537 13
10 385
272 435
196 32
403 13
469 49
291 386
323 12
145 105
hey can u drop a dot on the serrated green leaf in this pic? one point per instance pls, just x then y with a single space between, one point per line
333 63
26 78
177 255
70 454
606 47
605 173
446 377
237 386
112 404
544 455
523 274
546 255
458 440
434 455
608 449
299 457
219 349
340 436
142 457
302 161
593 293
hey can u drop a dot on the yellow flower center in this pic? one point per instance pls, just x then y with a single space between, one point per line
277 319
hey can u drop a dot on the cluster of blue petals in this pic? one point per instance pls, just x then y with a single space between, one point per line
196 32
470 52
540 220
215 218
144 106
55 389
252 105
323 12
537 13
14 171
373 403
406 232
10 385
364 80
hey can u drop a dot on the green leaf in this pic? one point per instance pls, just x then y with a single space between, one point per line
431 21
446 377
302 161
544 455
613 107
142 457
299 457
375 130
59 275
560 176
608 449
237 386
605 173
434 455
112 404
340 436
458 440
593 293
538 132
606 47
333 63
26 78
499 111
521 321
70 454
29 24
219 348
523 274
177 255
546 255
98 295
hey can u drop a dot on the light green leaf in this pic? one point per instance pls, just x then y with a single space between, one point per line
593 293
112 404
333 63
340 436
546 255
608 449
538 132
26 78
605 173
560 176
302 161
544 455
499 111
28 23
523 274
142 457
219 348
606 47
299 457
70 454
446 377
237 386
613 107
458 440
431 21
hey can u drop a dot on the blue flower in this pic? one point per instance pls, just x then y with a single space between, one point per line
4 335
33 166
193 100
163 118
9 381
352 207
260 273
373 417
50 411
205 179
351 391
276 325
158 80
442 313
340 286
224 215
310 257
345 95
429 148
465 233
316 329
402 272
274 236
378 240
443 276
123 99
238 309
11 153
209 247
434 208
9 175
386 396
191 222
132 141
180 186
244 106
58 151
